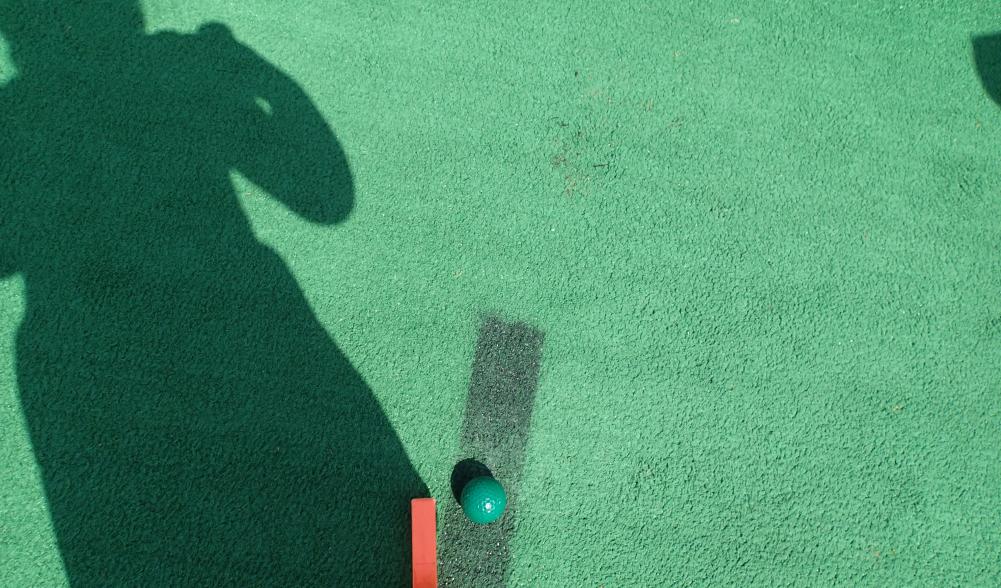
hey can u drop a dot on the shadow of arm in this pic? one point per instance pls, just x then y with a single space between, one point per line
286 146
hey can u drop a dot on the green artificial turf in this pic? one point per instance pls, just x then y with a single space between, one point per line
762 241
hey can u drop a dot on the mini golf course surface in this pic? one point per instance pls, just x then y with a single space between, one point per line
713 288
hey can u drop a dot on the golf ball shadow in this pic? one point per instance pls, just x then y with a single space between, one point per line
482 497
465 472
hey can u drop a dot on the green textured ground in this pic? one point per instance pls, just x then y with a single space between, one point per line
764 244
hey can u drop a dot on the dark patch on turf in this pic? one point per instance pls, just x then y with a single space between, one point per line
502 389
987 55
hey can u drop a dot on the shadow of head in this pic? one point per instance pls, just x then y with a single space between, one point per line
39 31
987 56
207 100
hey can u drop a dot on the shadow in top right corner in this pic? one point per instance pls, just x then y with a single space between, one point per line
987 55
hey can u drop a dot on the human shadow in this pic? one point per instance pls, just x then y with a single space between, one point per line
193 422
987 56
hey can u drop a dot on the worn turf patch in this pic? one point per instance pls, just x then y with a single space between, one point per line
495 430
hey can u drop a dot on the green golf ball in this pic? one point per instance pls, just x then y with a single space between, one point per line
483 500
